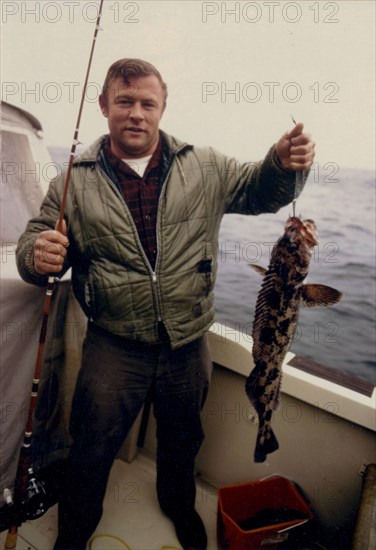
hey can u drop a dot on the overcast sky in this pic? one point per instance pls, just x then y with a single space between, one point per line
235 70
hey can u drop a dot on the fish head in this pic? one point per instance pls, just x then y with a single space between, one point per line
302 232
300 238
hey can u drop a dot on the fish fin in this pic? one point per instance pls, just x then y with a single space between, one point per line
265 324
260 270
250 387
320 295
269 445
277 397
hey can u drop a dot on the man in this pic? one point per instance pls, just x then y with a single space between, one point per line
142 222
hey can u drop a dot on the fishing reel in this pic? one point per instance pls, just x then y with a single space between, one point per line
32 504
34 501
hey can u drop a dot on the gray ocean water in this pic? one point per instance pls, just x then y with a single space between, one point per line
342 203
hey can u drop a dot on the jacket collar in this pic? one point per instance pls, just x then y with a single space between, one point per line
90 155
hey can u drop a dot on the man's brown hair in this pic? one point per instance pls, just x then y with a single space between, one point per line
127 69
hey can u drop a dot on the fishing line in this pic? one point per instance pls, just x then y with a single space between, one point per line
126 545
107 536
299 181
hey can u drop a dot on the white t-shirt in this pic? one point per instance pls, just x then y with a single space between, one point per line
138 165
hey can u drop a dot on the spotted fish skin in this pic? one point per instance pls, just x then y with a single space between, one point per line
276 318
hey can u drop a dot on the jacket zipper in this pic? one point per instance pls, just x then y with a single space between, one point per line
153 273
155 292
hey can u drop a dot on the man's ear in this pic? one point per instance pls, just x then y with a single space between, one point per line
103 106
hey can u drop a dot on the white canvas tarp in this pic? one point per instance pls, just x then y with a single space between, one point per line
22 190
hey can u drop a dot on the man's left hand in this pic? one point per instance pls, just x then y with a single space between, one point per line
296 150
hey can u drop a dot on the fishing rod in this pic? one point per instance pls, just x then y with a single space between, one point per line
29 498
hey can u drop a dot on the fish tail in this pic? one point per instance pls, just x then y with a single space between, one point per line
266 443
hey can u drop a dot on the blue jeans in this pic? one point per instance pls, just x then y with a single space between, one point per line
115 377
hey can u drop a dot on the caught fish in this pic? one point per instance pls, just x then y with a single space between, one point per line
282 293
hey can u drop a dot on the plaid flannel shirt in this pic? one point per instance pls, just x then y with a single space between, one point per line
141 195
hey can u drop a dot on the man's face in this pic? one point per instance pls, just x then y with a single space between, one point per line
134 111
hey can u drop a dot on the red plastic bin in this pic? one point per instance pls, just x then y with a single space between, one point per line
239 503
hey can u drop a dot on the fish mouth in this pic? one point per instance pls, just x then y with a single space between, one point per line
305 228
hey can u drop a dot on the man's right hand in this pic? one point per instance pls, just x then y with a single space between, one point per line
50 250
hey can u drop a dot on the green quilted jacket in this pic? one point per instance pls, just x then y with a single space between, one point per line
111 276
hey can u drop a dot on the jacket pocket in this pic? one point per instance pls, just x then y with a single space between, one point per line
206 267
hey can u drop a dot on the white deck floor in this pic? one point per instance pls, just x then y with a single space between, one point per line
131 513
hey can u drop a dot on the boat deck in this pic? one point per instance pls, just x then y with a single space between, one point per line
133 520
131 514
